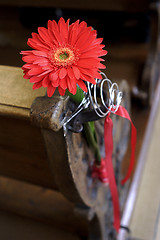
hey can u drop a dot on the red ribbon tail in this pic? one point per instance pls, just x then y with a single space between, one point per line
123 113
108 140
105 172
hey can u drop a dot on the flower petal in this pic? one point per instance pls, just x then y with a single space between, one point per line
40 53
73 33
51 33
95 53
37 85
76 72
29 58
69 84
55 31
74 90
27 66
88 79
56 83
50 90
63 29
61 91
26 76
45 82
26 52
44 73
43 32
63 83
101 66
35 71
70 73
91 73
82 40
41 60
62 73
35 79
37 44
82 85
72 87
53 76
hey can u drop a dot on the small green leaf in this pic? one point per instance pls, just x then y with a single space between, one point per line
78 97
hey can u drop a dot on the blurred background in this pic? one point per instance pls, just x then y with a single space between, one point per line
130 30
124 25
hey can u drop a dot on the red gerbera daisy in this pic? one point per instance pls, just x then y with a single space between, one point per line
64 56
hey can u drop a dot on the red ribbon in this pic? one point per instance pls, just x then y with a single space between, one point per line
100 172
123 113
105 172
108 140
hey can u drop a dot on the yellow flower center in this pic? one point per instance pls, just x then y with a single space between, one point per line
63 56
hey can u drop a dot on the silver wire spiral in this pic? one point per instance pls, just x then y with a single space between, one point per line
104 106
113 100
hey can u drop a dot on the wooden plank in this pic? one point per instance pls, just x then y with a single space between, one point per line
16 227
16 94
41 204
114 5
22 152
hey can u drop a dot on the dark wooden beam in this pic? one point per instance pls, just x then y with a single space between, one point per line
114 5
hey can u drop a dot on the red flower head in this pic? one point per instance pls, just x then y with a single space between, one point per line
64 56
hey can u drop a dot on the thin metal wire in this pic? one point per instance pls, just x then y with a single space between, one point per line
83 105
114 98
112 104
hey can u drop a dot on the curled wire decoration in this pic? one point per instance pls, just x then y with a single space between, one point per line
109 105
83 105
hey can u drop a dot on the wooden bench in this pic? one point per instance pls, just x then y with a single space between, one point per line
38 158
25 173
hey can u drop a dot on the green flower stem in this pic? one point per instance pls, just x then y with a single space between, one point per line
78 97
90 134
89 127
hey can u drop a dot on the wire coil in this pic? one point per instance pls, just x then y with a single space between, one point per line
113 100
106 105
